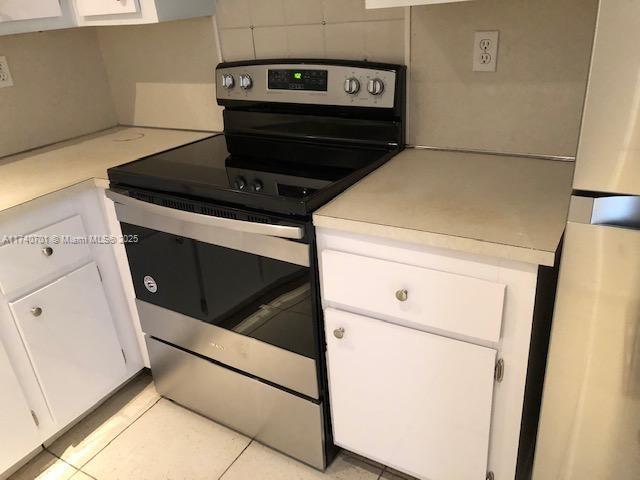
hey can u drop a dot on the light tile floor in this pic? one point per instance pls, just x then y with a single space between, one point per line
137 435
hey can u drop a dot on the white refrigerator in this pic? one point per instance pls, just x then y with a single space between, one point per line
590 419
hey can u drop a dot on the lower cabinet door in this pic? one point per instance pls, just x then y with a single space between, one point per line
18 432
417 402
69 335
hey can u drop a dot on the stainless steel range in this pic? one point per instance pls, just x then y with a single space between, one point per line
225 270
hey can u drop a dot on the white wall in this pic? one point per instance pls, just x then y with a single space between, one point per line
162 75
532 104
60 89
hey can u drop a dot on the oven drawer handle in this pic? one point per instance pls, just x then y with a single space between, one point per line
282 231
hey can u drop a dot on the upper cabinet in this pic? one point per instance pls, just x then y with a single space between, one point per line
405 3
20 16
130 12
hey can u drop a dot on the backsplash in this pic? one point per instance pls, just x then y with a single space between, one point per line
309 28
532 104
161 75
60 89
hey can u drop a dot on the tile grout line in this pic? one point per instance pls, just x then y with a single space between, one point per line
84 473
235 460
46 449
312 24
114 438
382 473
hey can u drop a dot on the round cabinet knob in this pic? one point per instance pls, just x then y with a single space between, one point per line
338 332
402 295
227 81
239 183
47 251
375 86
352 86
36 311
245 82
257 186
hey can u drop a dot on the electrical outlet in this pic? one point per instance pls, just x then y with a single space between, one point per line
485 51
5 74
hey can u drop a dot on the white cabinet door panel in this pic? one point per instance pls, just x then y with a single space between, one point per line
45 253
417 402
106 7
11 10
444 301
72 343
18 433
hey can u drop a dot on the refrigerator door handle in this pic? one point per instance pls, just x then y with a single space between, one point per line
615 211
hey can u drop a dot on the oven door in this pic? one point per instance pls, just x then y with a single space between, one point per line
239 293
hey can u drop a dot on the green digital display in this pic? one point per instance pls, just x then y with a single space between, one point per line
296 79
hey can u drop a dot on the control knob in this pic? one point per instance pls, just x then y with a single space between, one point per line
240 183
351 86
375 86
245 81
227 81
257 186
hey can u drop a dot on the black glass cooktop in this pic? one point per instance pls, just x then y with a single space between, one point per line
290 178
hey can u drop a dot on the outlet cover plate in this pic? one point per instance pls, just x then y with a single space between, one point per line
5 74
485 51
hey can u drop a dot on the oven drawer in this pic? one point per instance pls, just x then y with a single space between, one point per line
288 369
422 297
25 264
284 421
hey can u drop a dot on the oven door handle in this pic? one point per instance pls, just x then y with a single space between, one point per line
281 231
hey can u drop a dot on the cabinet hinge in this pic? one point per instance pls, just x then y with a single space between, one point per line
124 355
35 418
498 372
490 476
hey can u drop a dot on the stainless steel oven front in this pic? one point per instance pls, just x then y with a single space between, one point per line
231 319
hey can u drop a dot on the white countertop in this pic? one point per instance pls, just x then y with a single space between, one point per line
29 175
506 207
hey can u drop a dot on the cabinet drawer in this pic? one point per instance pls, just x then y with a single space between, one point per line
22 264
423 297
70 338
415 401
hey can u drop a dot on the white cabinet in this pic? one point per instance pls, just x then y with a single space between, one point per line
67 319
19 16
18 432
69 335
414 401
12 10
405 3
411 380
106 7
43 255
129 12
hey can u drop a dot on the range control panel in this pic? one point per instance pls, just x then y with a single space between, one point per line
308 84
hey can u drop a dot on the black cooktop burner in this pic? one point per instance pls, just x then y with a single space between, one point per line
294 182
